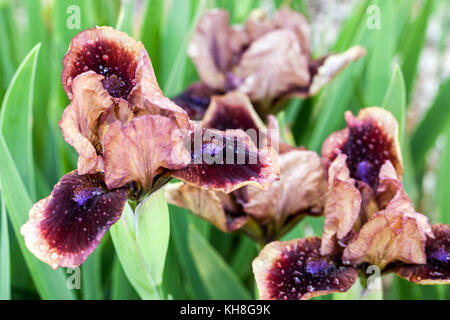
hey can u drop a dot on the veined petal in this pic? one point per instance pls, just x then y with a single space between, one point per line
226 161
300 191
296 270
388 236
80 121
342 207
66 227
215 207
436 270
138 151
214 47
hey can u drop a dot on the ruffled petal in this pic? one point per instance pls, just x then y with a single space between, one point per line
388 236
296 270
436 270
342 207
66 227
138 151
226 161
195 100
80 121
215 207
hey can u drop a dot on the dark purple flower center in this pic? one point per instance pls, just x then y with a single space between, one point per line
116 63
367 149
83 195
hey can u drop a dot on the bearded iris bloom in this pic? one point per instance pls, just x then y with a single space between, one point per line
130 140
369 220
263 215
269 59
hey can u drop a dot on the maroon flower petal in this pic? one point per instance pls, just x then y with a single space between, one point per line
437 267
296 270
226 161
369 141
66 227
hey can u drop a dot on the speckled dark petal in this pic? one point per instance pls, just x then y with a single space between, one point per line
105 51
294 270
437 268
226 161
195 100
66 227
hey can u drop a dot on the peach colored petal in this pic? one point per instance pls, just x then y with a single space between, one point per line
342 206
137 151
215 207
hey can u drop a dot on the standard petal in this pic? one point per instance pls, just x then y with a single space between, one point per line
138 151
300 191
226 161
105 51
437 267
272 65
214 48
80 121
388 236
295 270
369 141
342 208
215 207
66 227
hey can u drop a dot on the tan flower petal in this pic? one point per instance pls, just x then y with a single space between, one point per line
272 65
79 123
295 270
342 206
214 206
139 150
214 47
301 190
437 268
226 161
331 66
66 227
388 236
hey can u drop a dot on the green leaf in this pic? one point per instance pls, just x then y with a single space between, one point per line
91 277
443 182
218 278
436 119
16 119
125 21
141 244
121 289
395 100
50 284
5 267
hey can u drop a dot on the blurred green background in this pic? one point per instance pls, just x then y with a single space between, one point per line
406 71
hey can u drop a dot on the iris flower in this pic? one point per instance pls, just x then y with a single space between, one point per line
269 59
369 220
130 140
263 215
